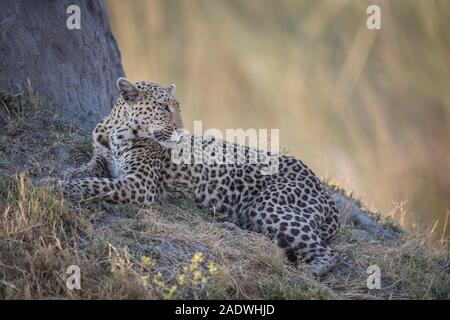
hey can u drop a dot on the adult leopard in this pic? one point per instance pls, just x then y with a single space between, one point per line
137 160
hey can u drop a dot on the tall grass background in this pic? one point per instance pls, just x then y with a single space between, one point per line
367 109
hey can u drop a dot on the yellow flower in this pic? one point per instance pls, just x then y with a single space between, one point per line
170 292
148 261
193 267
157 280
198 257
212 268
181 279
161 286
197 275
144 279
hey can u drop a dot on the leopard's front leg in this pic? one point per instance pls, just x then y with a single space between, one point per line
122 190
96 167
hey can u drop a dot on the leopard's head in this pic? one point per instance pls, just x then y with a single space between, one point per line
153 110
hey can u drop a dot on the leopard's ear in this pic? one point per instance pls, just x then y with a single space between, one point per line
127 90
171 89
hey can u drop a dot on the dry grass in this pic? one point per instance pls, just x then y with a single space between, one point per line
127 253
41 235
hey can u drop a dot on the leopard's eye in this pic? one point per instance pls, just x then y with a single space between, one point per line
165 107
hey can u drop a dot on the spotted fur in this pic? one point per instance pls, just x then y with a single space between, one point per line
132 162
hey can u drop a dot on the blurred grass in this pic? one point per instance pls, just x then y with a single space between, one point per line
368 109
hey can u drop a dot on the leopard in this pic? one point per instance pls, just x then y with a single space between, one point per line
142 154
